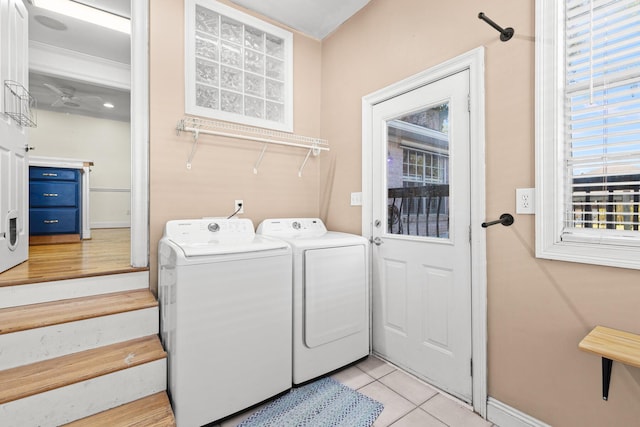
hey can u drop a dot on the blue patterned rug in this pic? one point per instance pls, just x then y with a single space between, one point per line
324 403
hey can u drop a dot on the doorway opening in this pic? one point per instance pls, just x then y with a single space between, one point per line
137 179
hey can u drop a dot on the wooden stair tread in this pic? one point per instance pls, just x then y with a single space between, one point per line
151 411
613 344
24 381
15 319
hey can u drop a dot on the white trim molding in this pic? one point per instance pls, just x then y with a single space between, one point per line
598 247
504 415
110 224
52 60
109 190
140 133
474 62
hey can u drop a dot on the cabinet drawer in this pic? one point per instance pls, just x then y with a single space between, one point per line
43 194
53 221
53 174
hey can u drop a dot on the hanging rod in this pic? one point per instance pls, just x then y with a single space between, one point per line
505 33
199 126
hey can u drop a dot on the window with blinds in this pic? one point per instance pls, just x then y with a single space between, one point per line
601 119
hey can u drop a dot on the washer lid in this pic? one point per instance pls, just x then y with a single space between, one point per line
221 247
215 236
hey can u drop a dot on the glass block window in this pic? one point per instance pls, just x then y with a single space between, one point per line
238 68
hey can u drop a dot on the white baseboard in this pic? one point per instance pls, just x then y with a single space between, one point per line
505 416
111 224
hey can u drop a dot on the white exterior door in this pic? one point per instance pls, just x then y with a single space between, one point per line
421 229
14 164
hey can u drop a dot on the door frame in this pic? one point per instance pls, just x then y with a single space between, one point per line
474 62
140 133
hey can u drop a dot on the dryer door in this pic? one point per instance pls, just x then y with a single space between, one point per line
335 294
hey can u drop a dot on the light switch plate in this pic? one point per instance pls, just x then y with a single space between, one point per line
356 199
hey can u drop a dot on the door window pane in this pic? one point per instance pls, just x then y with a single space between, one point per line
418 173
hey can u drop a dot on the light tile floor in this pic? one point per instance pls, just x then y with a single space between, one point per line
408 402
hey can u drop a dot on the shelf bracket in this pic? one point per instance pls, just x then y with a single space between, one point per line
255 167
606 377
313 150
196 135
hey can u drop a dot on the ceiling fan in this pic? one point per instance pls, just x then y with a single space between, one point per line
68 98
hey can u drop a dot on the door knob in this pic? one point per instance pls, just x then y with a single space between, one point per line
377 241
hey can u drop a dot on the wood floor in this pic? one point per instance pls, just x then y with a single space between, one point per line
107 252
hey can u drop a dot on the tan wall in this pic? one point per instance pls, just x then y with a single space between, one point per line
538 310
222 169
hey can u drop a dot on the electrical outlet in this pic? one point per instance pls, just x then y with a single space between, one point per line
239 206
525 201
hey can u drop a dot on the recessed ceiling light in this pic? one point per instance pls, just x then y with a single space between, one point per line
86 13
108 105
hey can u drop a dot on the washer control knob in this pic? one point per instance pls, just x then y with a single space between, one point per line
296 225
213 227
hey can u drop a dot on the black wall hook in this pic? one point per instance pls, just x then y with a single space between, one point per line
505 33
505 219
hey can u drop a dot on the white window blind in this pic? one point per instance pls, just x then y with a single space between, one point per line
601 120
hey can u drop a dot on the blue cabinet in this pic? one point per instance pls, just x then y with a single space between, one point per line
54 201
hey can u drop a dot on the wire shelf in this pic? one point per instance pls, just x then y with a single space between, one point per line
19 104
199 126
234 130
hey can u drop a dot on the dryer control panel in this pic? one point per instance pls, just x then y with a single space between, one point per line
288 227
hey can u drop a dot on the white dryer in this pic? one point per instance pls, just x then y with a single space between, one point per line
330 295
225 300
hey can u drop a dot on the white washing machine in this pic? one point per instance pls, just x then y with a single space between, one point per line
226 304
330 295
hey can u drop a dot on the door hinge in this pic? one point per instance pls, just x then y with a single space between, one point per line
469 102
471 366
469 234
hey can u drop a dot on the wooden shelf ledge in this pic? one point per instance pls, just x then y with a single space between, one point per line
612 344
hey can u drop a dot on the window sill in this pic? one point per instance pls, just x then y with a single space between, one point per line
588 253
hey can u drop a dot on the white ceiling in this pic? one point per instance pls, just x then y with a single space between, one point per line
81 36
316 18
62 95
80 98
